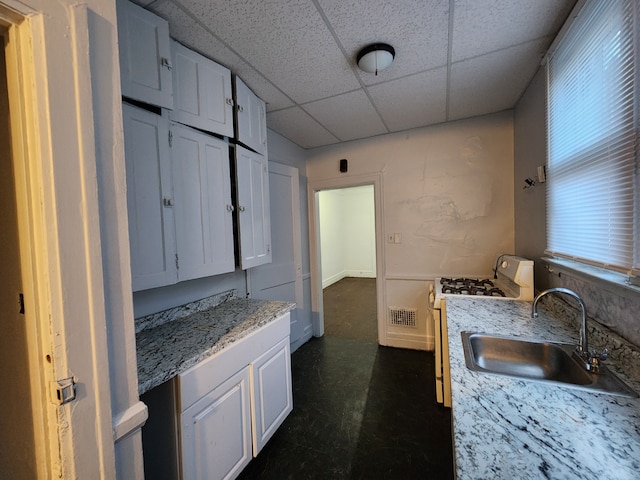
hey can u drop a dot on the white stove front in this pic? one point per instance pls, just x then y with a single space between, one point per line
514 282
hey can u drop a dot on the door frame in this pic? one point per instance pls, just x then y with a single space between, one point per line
294 174
59 232
317 306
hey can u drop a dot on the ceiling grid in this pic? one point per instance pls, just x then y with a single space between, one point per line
454 58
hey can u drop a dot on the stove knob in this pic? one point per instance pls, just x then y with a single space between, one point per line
504 264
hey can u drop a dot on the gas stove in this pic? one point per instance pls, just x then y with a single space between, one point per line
470 286
513 280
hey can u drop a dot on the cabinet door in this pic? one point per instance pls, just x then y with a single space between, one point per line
251 117
145 66
149 199
216 431
202 92
203 211
271 392
252 203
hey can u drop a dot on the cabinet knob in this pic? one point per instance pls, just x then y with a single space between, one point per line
230 208
241 208
229 101
167 202
240 108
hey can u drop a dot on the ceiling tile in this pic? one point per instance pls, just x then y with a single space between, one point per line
417 30
348 116
287 41
191 33
413 101
492 82
483 26
296 125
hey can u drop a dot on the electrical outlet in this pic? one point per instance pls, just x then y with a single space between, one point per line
397 238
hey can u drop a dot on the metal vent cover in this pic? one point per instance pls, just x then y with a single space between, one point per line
402 317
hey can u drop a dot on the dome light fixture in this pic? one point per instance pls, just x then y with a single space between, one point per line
376 57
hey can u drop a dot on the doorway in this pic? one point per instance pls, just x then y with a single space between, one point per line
348 262
316 254
18 456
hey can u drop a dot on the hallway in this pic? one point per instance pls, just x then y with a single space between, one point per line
361 411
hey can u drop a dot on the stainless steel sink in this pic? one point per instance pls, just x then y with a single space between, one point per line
536 360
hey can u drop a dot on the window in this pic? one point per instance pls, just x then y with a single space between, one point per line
592 123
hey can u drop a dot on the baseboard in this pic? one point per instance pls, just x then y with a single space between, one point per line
345 274
413 342
333 279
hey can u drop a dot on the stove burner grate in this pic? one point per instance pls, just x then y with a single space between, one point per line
470 286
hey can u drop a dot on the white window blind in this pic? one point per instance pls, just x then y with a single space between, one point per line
592 137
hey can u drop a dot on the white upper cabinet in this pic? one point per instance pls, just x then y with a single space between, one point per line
149 199
252 203
202 92
203 208
145 55
251 117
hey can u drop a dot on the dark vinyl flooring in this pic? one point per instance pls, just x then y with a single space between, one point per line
361 411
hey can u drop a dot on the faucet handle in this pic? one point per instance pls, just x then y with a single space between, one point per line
594 359
601 355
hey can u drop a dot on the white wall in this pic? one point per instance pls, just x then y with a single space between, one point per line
447 190
347 233
531 151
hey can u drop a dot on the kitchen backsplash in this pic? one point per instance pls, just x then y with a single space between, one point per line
181 311
618 313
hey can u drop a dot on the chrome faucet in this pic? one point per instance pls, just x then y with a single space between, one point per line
590 359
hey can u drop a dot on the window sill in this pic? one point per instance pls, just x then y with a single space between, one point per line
615 282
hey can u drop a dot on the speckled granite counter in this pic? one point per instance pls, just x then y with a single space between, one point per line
505 428
171 348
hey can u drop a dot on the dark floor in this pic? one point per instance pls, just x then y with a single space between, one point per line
350 309
360 412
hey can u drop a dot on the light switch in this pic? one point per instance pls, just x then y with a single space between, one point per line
397 238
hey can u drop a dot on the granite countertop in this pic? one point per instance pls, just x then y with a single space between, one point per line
169 349
505 428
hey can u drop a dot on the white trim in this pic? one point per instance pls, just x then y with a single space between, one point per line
314 247
610 280
50 78
18 58
129 420
294 174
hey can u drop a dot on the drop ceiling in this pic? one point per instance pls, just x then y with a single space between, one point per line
454 58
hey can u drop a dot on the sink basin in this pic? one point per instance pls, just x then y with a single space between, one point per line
538 361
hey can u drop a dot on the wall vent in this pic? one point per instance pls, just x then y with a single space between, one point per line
402 317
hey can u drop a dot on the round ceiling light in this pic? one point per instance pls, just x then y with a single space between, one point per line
376 57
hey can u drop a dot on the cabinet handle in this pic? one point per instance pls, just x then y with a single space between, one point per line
164 61
167 202
230 208
240 108
229 101
241 208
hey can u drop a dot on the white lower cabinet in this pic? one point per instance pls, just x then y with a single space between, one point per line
271 392
231 403
216 431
